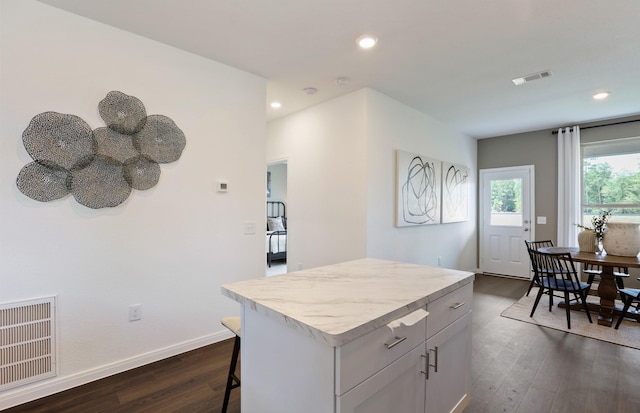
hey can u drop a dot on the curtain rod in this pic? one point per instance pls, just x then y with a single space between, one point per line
555 132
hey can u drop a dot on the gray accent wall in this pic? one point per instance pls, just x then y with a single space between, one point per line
539 148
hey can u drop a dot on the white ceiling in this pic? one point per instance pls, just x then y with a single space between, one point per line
452 59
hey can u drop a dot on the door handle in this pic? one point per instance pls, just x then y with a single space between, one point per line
526 229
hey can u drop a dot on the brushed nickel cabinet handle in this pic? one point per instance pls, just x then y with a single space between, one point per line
426 364
394 343
457 305
435 366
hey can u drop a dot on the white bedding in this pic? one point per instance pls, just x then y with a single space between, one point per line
278 242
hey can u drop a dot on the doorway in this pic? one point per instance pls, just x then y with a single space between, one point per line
277 192
506 211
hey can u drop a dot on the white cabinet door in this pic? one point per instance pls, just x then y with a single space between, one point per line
449 388
399 387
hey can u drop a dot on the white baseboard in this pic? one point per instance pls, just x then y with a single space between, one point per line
27 393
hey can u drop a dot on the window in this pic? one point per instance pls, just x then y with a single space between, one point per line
611 179
506 202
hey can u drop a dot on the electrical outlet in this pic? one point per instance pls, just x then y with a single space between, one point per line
135 312
222 186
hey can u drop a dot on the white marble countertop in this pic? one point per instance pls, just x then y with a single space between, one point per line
339 303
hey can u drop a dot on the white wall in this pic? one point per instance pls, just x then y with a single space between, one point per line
391 126
169 248
325 151
342 173
278 182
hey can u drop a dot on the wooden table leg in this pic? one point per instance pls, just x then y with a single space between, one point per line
607 292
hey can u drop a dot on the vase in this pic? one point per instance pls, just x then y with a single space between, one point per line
587 241
622 238
599 246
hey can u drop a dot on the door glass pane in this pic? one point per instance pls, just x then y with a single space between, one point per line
506 202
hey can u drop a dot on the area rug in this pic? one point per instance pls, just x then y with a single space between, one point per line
627 335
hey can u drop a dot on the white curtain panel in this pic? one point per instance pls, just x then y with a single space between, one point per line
569 208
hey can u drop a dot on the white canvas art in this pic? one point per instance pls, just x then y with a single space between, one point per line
418 189
455 193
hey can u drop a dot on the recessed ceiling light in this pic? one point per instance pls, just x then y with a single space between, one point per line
367 41
276 105
342 81
601 95
310 90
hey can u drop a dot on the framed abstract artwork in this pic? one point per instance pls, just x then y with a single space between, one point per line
418 189
268 184
455 193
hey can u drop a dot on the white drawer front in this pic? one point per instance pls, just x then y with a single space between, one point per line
398 388
445 310
361 358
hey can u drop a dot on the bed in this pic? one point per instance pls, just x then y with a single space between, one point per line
276 232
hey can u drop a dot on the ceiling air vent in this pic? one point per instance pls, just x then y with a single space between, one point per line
529 78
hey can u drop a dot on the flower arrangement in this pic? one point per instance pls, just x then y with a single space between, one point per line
599 223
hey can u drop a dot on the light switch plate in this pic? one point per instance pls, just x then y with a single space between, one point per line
249 227
541 220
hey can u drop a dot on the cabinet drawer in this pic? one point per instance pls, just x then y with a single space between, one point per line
399 387
361 358
447 309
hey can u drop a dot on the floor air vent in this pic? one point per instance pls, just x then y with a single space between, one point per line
27 342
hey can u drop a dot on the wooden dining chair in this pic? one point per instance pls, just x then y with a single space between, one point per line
559 277
533 246
593 272
628 295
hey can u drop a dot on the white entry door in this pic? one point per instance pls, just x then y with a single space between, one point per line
506 211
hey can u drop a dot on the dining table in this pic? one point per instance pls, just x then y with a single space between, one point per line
607 289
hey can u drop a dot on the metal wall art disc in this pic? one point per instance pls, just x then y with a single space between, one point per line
43 183
100 184
122 113
114 144
58 138
160 139
141 173
98 167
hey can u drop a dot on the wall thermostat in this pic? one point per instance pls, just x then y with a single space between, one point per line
222 186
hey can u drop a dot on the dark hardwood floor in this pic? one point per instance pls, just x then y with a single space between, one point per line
192 382
517 368
523 368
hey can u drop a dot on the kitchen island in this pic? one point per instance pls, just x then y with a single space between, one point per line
367 335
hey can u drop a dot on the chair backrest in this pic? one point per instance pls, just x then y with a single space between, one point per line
597 267
533 246
539 244
591 267
559 266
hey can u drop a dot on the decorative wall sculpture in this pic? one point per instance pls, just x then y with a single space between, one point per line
98 167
